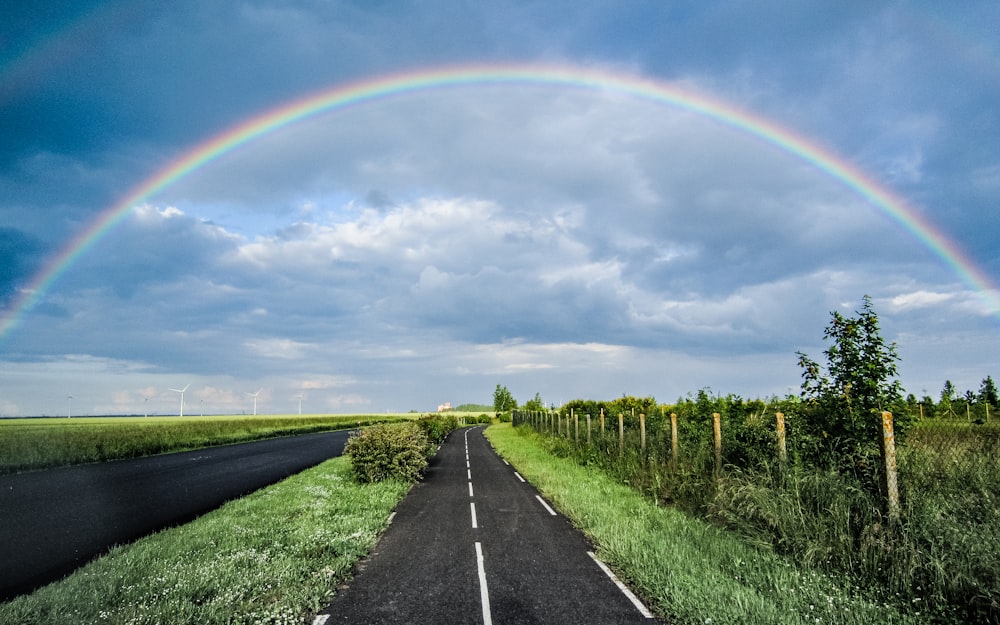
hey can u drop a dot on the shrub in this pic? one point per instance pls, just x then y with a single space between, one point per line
381 452
437 427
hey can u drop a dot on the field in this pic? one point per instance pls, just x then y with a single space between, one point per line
27 444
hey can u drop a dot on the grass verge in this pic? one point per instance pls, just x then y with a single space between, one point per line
688 571
272 557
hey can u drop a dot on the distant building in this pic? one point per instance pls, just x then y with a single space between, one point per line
445 406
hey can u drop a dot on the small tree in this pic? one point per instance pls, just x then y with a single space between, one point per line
988 392
503 401
536 404
843 405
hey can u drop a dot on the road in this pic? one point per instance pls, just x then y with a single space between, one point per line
59 519
473 543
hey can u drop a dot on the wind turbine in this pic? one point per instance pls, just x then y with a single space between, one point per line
254 395
69 406
300 403
181 391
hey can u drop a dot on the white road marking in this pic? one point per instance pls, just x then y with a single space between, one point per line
505 462
542 501
391 517
469 471
470 490
475 525
467 465
622 587
484 593
518 476
320 619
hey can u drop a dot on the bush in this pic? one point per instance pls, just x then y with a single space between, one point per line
437 427
397 451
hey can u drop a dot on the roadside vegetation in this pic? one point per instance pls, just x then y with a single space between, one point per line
819 493
27 444
686 569
398 451
272 557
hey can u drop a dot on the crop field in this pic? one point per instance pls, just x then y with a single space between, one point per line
27 444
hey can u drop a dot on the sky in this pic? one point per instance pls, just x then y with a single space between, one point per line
639 229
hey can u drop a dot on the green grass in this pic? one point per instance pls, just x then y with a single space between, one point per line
27 444
687 570
272 557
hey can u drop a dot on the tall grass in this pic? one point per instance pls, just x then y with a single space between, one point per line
275 557
688 570
42 443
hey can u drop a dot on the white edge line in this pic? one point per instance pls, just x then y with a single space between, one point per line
391 517
475 524
320 619
622 587
542 501
518 476
484 593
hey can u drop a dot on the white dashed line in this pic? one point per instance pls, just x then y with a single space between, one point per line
484 593
542 501
475 524
320 619
518 476
622 587
469 472
470 490
391 517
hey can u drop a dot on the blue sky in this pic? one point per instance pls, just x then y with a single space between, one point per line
426 247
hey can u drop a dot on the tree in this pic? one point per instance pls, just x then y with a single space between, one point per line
503 401
947 392
988 392
844 404
536 404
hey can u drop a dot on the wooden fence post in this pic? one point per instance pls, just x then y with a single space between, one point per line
717 427
642 432
588 428
782 449
674 443
602 422
621 434
576 427
891 479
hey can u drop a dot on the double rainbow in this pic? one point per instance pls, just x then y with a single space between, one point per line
567 77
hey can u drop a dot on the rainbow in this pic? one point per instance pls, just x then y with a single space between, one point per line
478 75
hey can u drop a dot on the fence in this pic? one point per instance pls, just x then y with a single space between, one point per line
707 445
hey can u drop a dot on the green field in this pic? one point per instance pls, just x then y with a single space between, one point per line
27 444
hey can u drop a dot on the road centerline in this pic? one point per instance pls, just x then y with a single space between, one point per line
484 593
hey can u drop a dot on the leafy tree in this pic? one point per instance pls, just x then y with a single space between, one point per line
535 404
503 401
843 405
948 392
988 392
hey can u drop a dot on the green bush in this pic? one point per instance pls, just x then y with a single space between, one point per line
437 427
397 451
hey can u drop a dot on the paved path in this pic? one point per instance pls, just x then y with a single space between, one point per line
473 543
57 520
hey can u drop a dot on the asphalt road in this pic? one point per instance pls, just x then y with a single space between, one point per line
473 543
53 521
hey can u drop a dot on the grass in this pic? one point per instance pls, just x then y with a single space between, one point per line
688 570
272 557
27 444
